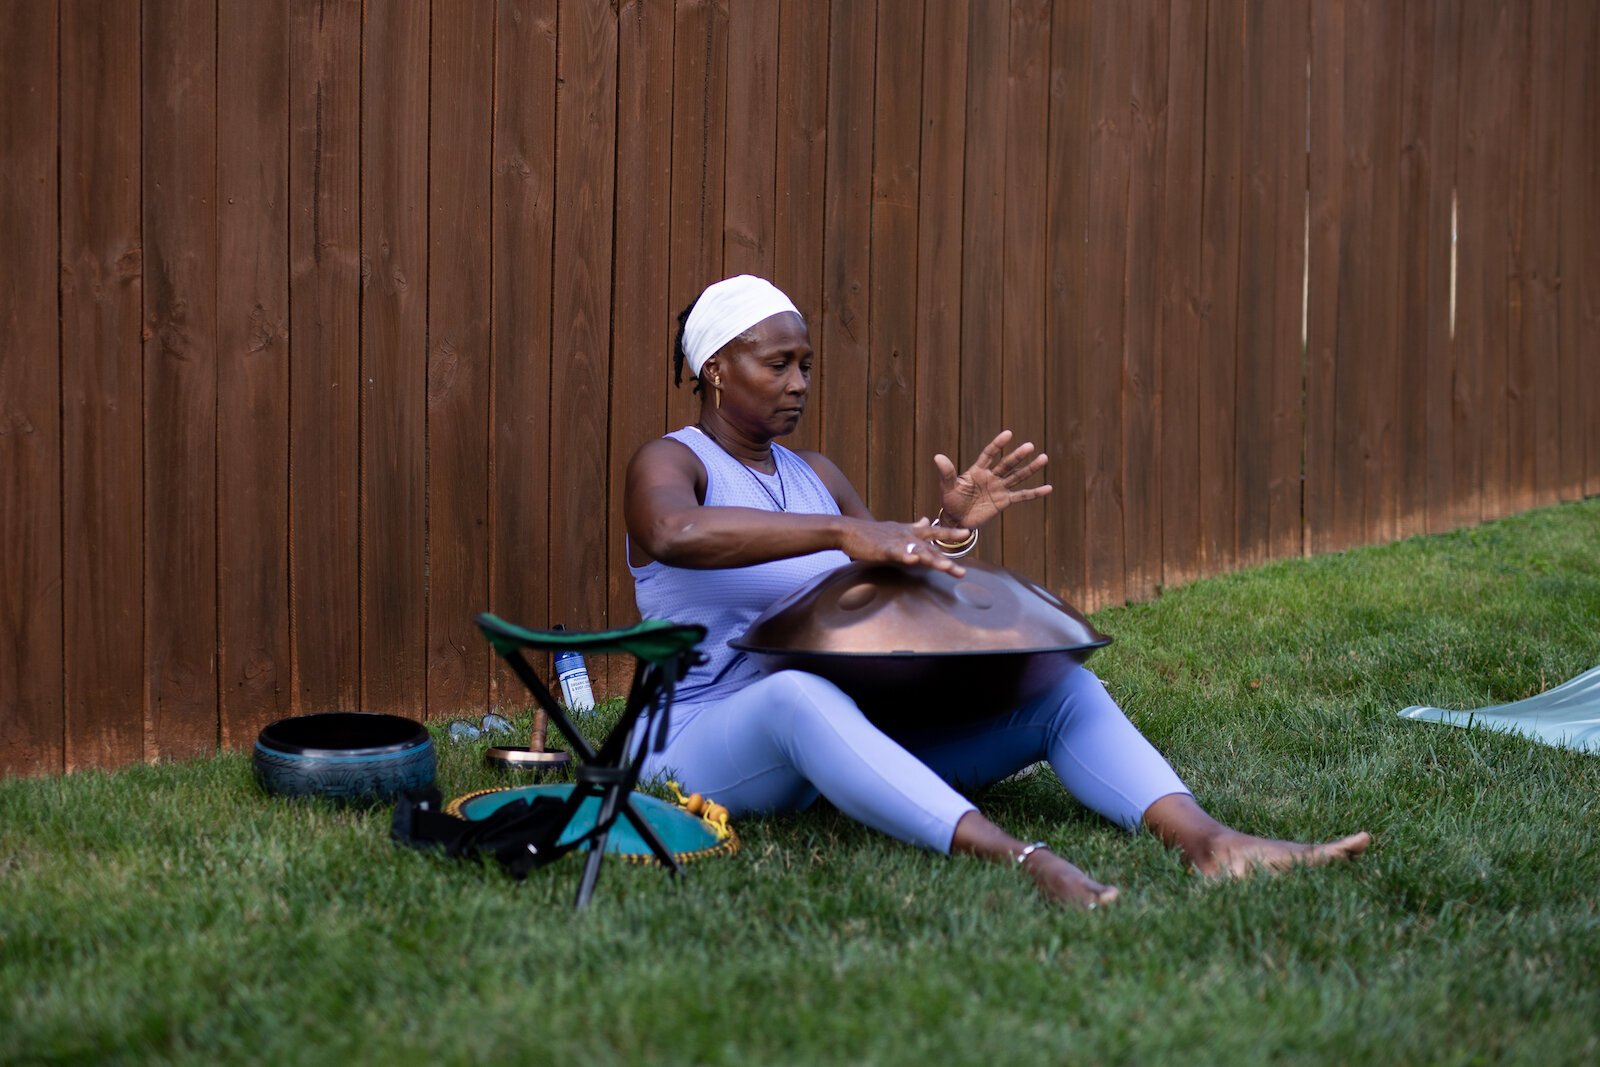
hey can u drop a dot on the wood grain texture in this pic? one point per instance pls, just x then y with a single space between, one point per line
524 185
179 208
253 662
643 321
460 287
1066 220
892 327
749 221
325 391
699 126
1105 312
939 250
1483 256
1580 260
1428 175
394 359
1534 384
31 652
1022 344
102 383
1219 281
840 378
1269 427
1141 399
1178 339
357 329
580 350
1364 417
1326 195
800 178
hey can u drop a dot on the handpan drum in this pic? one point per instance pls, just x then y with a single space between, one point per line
915 647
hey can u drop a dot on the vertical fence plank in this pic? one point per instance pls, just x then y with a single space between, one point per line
394 430
1022 382
460 157
253 368
1482 257
1326 204
642 337
892 329
1428 192
1110 123
30 397
1219 279
841 374
102 384
1066 220
1141 379
699 124
939 252
1499 254
983 216
1178 341
801 173
1535 408
1271 259
1588 217
523 247
1369 310
1580 261
580 351
325 353
752 108
180 356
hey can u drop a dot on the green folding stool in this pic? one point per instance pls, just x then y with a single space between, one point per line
663 652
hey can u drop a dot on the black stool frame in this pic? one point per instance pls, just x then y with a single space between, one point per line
663 653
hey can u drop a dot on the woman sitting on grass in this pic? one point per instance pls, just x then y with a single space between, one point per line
723 521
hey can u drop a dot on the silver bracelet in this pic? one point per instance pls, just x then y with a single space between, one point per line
957 553
1028 850
959 550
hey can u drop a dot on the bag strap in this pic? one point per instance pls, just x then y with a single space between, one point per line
520 836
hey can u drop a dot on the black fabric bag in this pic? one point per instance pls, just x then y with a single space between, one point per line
519 836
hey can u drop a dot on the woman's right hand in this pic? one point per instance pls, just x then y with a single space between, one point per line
901 542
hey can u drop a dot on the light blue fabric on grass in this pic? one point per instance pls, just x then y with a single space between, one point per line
1567 716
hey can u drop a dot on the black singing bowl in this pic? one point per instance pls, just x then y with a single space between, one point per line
916 647
348 756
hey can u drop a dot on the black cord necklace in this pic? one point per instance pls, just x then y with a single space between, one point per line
780 499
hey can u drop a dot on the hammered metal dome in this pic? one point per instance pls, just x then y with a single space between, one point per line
914 645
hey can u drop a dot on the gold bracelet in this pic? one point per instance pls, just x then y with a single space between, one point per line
955 550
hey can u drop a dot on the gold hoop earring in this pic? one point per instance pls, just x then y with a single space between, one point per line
717 392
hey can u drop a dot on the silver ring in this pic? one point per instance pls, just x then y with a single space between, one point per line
911 549
1093 904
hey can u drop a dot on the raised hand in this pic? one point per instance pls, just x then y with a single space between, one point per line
990 485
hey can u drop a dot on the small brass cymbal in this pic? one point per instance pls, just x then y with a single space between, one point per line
522 758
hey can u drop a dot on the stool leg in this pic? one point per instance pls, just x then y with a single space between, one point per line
597 845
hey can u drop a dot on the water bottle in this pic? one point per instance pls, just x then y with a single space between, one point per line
574 679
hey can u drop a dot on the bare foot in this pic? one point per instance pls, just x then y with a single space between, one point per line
1220 851
1055 878
1064 883
1236 855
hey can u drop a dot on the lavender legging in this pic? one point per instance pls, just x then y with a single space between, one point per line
782 741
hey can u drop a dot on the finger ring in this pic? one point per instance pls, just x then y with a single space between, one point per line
911 549
1093 904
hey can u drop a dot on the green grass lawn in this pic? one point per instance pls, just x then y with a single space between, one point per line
175 913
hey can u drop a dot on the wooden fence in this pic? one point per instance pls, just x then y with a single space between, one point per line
330 324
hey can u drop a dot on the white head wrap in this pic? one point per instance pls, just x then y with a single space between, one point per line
724 311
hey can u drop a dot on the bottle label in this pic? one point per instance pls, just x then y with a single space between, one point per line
575 690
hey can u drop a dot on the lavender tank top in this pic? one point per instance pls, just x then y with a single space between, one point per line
727 600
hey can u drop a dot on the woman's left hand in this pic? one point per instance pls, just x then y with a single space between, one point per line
990 485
